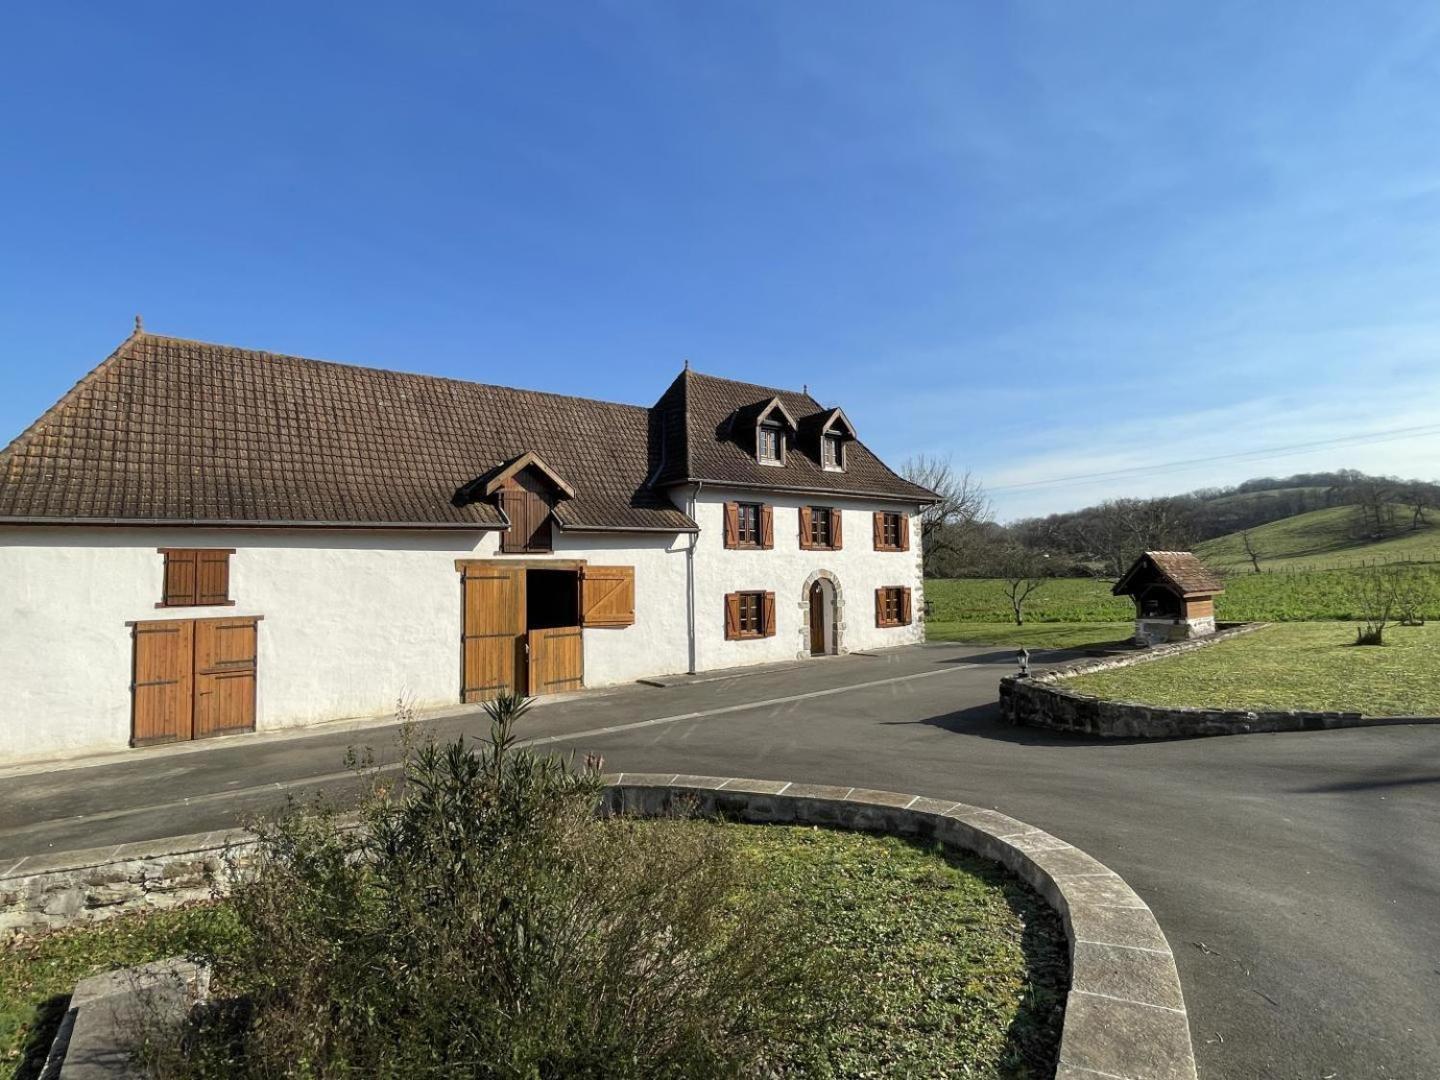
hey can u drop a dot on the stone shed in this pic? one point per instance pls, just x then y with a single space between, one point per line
1174 594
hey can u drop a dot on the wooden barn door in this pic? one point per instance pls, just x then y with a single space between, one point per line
224 676
162 681
493 642
557 660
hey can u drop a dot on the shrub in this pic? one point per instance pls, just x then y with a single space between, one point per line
482 922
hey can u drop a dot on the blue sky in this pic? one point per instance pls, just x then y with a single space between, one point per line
1048 239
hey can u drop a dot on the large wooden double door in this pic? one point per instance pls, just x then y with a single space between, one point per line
193 678
501 649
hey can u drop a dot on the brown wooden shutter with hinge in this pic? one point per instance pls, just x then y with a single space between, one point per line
767 526
732 616
878 527
837 537
905 606
732 525
904 532
214 577
804 515
182 579
769 624
880 607
607 596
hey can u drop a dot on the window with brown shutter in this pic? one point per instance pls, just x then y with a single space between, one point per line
892 532
607 596
745 525
892 606
527 506
820 528
749 615
196 577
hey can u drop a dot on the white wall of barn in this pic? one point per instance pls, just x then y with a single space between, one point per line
353 619
786 571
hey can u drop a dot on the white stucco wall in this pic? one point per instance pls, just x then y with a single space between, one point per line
352 620
785 570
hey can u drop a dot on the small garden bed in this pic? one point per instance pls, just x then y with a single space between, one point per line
1312 666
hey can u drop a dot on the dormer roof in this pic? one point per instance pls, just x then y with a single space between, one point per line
704 429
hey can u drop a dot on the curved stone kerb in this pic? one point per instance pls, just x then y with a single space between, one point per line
1125 1014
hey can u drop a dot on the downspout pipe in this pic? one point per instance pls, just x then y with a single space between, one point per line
690 574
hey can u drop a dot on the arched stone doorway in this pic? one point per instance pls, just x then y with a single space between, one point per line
822 605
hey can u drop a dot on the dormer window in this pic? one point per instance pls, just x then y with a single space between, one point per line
832 453
771 445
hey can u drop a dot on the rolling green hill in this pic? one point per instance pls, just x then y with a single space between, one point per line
1322 540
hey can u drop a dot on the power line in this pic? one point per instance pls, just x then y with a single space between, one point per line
1257 454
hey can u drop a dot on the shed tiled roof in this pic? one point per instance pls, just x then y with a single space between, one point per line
168 430
1180 569
706 427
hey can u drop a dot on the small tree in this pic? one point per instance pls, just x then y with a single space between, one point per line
1373 589
1414 594
1024 573
1251 552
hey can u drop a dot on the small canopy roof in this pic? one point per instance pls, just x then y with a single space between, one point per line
1180 570
528 460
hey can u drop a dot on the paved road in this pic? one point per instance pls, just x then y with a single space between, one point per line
1296 875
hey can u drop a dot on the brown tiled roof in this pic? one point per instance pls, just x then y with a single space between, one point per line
1180 569
167 430
706 427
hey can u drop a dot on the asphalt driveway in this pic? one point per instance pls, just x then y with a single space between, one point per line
1297 876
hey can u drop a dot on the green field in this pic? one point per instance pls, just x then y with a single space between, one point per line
1320 540
1292 666
1033 635
1297 596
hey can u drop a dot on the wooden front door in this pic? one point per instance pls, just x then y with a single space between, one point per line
493 642
557 660
192 678
817 619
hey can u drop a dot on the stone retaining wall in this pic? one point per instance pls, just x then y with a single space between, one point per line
1044 701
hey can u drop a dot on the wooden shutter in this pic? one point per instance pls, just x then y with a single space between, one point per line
225 661
837 538
767 526
732 525
804 516
557 660
732 616
162 681
880 607
769 617
904 532
182 578
493 641
905 616
878 529
607 596
214 577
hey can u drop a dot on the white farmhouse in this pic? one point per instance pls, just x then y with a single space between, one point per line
200 540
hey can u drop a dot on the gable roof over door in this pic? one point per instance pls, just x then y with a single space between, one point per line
704 427
183 432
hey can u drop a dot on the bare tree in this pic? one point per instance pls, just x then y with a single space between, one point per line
962 505
1414 593
1248 542
1373 589
1024 572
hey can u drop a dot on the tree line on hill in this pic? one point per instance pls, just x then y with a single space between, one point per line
962 538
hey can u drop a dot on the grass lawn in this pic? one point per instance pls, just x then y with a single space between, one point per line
1291 666
956 967
37 976
1033 635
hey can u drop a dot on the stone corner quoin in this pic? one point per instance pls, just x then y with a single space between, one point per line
1045 701
1125 1014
